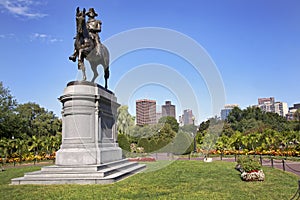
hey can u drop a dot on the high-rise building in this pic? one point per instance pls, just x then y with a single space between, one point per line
296 106
158 116
145 112
187 117
168 109
292 110
281 108
226 110
267 104
270 100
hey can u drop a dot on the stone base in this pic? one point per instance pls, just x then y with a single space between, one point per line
85 156
91 174
89 153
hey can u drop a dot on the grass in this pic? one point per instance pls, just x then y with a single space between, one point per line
162 180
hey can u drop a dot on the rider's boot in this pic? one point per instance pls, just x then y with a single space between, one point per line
73 56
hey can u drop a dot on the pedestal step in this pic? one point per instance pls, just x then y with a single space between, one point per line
102 174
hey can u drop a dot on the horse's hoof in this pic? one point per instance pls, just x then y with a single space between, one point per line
73 58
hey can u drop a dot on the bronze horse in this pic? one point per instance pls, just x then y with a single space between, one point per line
85 48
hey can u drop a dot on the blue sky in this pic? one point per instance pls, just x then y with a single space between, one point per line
254 44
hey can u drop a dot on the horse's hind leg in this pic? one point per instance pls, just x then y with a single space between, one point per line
94 69
82 67
106 76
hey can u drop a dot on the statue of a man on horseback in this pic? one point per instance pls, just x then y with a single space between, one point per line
87 44
94 28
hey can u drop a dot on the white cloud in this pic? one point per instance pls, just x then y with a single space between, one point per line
44 38
22 8
8 36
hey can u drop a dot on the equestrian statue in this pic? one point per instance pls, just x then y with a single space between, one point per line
87 44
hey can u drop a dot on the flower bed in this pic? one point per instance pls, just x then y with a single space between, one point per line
253 176
142 159
250 169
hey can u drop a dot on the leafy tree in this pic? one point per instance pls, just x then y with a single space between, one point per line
35 145
222 142
153 145
235 141
170 120
166 133
138 132
8 118
36 120
4 148
204 125
235 115
124 120
189 128
123 142
183 143
143 142
21 148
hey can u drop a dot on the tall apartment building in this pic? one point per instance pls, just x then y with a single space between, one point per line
296 106
187 117
226 110
266 100
158 116
267 104
145 112
292 110
168 109
281 108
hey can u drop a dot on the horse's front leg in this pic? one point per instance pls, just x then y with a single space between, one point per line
81 64
94 69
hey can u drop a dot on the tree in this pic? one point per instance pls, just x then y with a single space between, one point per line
166 133
235 115
183 143
235 141
143 142
222 142
4 148
8 118
204 125
124 120
36 120
21 148
35 145
170 120
189 128
123 142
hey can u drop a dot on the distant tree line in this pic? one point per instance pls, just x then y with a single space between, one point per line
252 131
245 131
27 131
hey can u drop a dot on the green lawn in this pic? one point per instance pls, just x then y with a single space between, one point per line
179 180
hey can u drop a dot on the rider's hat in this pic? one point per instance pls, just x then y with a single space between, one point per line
91 12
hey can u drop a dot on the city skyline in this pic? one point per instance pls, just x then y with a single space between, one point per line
253 44
279 107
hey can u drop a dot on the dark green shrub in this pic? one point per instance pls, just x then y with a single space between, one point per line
123 142
143 142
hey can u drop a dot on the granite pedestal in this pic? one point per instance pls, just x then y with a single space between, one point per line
89 153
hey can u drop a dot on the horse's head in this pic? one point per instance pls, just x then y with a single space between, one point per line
80 23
